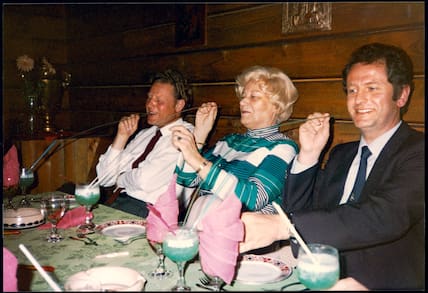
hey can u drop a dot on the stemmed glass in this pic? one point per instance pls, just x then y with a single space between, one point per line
180 245
10 189
87 195
53 209
160 272
26 179
322 273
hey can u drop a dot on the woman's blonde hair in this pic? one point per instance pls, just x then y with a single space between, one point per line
272 82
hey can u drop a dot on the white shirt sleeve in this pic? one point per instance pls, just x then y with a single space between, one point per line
153 175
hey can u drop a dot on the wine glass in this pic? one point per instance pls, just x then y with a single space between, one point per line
180 245
87 195
321 273
10 189
160 272
53 209
26 179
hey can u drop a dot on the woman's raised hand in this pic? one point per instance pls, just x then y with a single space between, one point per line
204 121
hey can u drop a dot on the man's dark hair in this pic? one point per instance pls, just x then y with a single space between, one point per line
399 67
177 79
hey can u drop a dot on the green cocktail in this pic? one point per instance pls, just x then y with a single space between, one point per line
322 274
87 195
180 246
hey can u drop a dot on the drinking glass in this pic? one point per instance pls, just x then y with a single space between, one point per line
26 179
53 209
10 190
323 273
180 245
87 195
160 272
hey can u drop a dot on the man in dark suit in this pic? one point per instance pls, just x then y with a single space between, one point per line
380 233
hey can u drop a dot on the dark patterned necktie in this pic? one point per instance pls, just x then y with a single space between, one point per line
361 175
148 149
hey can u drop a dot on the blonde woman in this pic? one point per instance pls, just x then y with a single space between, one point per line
250 165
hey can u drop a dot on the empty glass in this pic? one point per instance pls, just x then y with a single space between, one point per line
53 209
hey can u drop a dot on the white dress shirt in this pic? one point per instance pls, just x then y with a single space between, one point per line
153 175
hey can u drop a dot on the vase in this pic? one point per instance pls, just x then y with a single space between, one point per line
50 103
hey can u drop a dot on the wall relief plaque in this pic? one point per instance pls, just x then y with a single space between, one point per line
306 16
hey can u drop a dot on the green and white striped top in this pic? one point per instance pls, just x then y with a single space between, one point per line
253 166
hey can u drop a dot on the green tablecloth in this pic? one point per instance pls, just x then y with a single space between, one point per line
70 256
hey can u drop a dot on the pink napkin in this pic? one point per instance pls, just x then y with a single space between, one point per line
219 239
72 218
10 266
164 211
11 167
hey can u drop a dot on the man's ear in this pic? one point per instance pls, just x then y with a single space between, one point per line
179 106
402 100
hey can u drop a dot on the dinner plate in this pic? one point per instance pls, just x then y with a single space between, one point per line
259 269
122 229
22 218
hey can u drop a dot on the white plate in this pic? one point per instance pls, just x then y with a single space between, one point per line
123 229
109 278
258 269
22 218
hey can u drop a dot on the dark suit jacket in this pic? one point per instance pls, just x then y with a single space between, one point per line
381 238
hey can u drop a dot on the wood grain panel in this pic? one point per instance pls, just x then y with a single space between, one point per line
256 24
309 59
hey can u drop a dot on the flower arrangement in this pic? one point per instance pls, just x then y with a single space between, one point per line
32 74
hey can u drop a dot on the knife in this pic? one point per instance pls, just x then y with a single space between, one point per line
11 232
33 268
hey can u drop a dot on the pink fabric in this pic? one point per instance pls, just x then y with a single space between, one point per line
10 266
166 207
11 167
220 237
72 218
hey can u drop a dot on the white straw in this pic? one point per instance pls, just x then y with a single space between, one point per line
48 279
294 232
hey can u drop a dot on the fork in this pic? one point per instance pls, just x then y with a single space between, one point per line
213 284
131 239
84 241
91 241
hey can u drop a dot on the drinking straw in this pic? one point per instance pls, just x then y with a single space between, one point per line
48 279
96 179
45 152
294 233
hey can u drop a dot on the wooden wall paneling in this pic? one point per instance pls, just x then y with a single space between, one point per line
299 60
261 23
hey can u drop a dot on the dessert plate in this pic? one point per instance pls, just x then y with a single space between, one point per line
259 269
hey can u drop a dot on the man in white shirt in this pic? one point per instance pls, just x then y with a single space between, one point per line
145 180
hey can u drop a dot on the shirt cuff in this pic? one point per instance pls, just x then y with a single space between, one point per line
298 167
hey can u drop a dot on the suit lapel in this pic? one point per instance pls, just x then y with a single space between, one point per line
383 161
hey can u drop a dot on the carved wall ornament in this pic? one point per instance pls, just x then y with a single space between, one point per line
306 16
